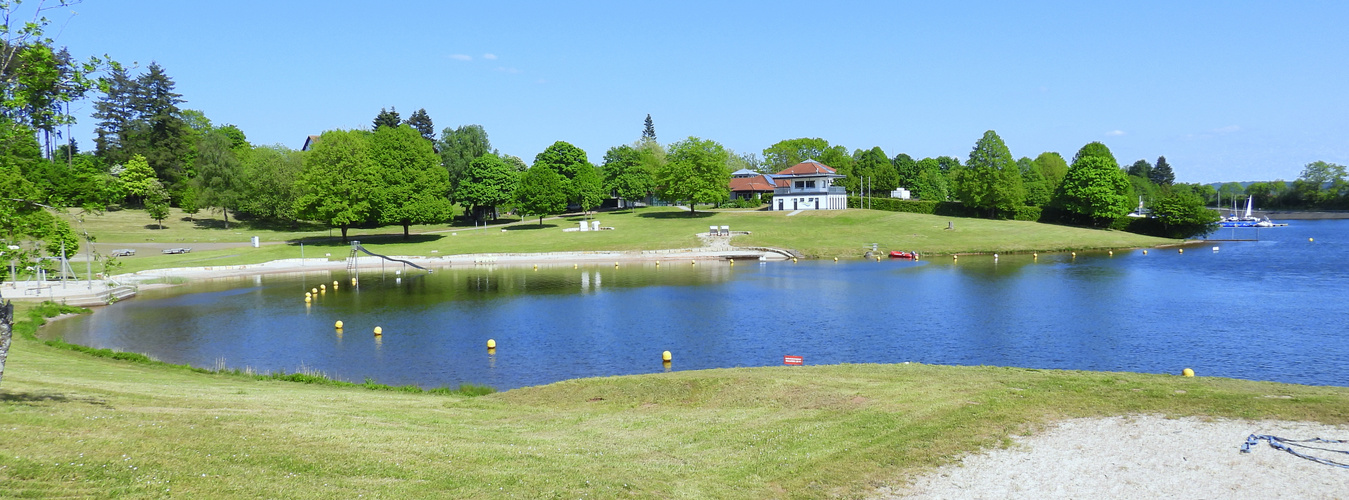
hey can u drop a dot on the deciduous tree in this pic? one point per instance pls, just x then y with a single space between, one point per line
413 188
339 183
1053 168
488 182
219 173
990 179
458 147
1094 188
541 193
626 173
270 174
786 153
695 172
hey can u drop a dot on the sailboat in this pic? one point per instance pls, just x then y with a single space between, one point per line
1245 220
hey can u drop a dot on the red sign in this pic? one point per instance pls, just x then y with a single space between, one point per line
793 360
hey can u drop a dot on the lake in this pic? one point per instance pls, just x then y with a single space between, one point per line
1275 309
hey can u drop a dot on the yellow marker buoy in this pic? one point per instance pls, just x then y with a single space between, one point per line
793 260
323 287
835 259
1074 254
732 262
334 283
1181 251
1187 372
665 356
379 331
658 263
575 266
353 282
536 267
1310 239
314 290
306 295
1112 252
307 299
955 257
1145 252
615 264
491 343
338 325
693 262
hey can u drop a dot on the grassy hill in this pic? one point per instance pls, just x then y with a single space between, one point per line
820 234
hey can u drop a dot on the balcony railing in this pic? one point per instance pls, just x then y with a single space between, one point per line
810 190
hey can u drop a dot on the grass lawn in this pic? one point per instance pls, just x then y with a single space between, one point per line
76 425
819 234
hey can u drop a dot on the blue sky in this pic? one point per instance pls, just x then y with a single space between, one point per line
1225 90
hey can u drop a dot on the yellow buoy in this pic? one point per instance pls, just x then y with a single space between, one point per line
334 283
835 259
1074 254
575 266
313 290
665 356
1181 251
793 260
323 287
693 262
1112 252
307 299
353 282
536 267
1187 372
491 343
732 262
955 257
379 331
615 264
658 263
1310 239
338 325
306 295
1145 252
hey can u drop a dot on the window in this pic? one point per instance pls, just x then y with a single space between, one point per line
810 184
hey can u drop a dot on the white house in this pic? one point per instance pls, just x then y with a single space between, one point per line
808 185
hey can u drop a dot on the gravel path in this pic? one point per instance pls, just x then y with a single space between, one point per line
1143 457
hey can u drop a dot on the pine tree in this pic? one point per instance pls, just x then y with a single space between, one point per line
158 131
1161 174
649 133
422 123
115 116
386 118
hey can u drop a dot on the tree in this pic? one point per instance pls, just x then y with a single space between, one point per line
488 182
588 188
784 154
339 181
137 177
696 172
421 122
1322 182
838 158
649 131
157 202
218 174
1097 149
990 179
1037 188
458 147
541 192
386 118
413 188
626 173
874 171
1141 168
906 168
115 117
565 159
1094 188
1161 174
159 132
269 177
1183 214
1053 168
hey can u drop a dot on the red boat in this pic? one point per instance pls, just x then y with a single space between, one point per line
903 255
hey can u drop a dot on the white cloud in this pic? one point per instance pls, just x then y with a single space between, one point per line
461 57
1115 133
489 57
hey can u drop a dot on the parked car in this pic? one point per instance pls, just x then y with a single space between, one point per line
177 250
123 252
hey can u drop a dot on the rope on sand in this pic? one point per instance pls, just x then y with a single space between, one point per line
1291 445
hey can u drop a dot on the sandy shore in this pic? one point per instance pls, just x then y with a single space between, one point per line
1143 457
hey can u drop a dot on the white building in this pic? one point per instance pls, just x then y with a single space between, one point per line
808 185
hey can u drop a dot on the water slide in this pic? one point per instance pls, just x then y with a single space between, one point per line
356 245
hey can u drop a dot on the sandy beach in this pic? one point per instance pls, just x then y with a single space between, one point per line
1142 457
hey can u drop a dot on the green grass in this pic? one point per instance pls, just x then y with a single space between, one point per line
819 234
77 425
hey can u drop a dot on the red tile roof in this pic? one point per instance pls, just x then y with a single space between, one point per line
756 183
808 167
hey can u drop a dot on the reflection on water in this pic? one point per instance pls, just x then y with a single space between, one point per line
1247 311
